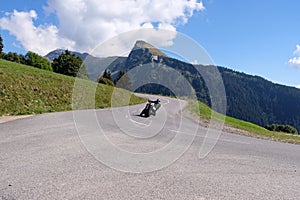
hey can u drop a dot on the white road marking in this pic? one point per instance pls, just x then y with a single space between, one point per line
138 122
167 101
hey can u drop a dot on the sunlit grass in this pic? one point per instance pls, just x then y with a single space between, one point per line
28 90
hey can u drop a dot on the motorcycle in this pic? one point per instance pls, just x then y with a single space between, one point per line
151 108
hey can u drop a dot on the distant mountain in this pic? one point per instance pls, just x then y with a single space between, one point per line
250 98
56 53
95 65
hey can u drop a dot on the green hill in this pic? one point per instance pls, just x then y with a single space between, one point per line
28 90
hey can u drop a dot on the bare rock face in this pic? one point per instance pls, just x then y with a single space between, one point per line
140 44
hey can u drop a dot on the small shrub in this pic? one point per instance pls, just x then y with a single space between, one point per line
282 128
105 81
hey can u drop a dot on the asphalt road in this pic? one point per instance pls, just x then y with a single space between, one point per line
114 154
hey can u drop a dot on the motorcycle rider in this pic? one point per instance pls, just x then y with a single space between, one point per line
155 102
154 107
151 108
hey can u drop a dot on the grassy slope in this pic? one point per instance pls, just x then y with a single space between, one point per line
204 111
28 90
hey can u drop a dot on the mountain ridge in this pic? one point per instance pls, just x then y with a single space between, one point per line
249 97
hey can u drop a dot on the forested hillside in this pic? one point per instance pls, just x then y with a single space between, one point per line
254 99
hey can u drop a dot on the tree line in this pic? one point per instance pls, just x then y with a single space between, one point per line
122 80
67 63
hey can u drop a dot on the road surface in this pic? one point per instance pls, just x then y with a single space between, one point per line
65 156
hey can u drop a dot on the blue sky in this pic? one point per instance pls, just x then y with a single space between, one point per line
258 37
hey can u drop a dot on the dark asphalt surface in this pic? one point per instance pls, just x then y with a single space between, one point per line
64 156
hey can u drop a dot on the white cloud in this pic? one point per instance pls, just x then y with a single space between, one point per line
39 39
85 23
297 51
195 62
295 61
298 86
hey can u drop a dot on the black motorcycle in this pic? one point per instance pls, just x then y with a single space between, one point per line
151 108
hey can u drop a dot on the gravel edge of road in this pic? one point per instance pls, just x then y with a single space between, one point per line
229 129
8 118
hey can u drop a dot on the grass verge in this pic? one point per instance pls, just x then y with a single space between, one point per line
249 129
28 90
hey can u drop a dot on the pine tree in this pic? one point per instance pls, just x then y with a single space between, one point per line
1 46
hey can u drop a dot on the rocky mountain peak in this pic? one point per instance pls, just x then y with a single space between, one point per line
140 44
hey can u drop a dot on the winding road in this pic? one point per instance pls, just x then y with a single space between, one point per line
115 154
